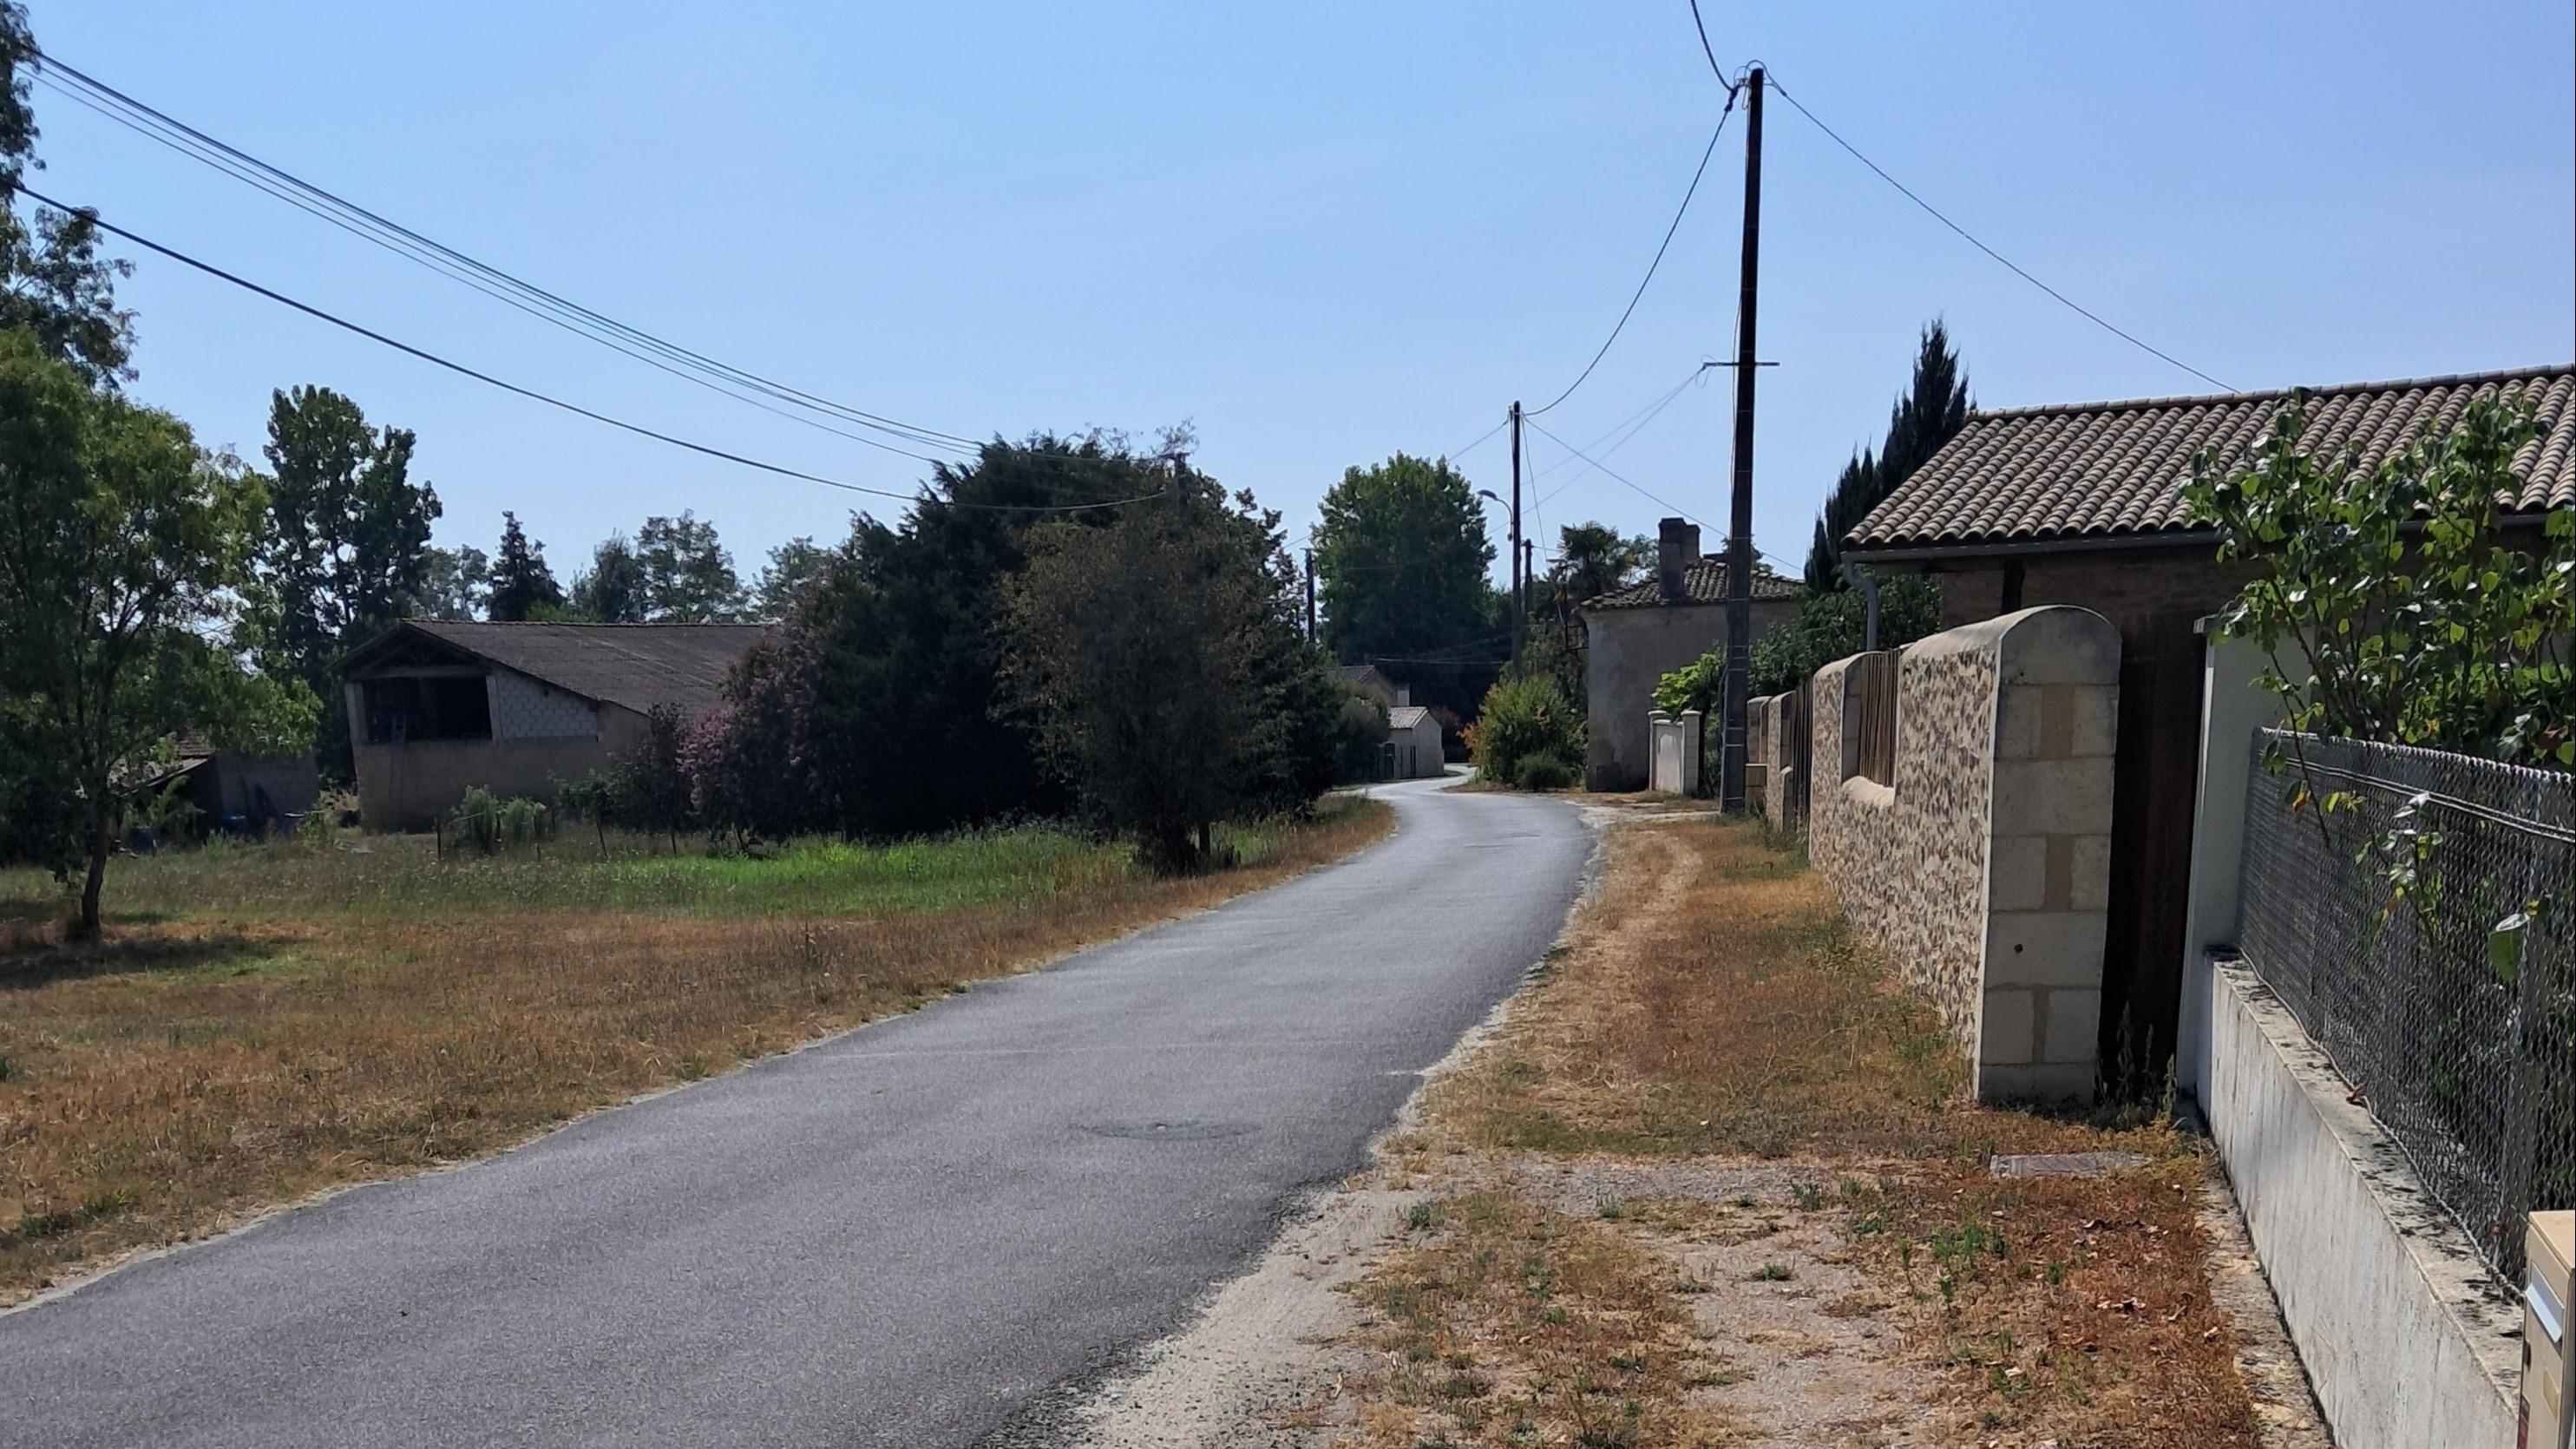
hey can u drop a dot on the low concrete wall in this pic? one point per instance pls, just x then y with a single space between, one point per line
1676 752
1984 868
2382 1293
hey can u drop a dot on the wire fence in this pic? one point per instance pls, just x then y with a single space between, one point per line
2417 912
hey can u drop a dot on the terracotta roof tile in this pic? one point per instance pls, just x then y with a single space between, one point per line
2118 468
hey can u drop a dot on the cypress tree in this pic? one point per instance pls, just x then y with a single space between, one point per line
1930 414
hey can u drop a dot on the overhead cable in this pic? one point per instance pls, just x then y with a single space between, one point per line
551 401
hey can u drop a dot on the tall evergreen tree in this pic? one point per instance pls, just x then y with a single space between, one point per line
522 586
1930 413
611 590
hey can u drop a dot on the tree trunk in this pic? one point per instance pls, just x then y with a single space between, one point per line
101 819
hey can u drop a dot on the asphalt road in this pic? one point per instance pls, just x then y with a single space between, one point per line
919 1233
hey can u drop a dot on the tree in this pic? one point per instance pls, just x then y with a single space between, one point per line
522 586
455 583
611 590
2420 621
1160 662
120 542
53 283
1931 413
688 575
792 565
346 548
1593 559
1401 557
900 624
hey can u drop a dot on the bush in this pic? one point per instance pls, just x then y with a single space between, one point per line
1526 719
1543 773
488 823
1358 732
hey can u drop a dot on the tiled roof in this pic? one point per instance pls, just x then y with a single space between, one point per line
1406 716
1703 582
635 665
2118 468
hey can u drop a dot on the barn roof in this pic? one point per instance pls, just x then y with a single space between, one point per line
634 665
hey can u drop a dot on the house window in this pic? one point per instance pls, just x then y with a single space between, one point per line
402 708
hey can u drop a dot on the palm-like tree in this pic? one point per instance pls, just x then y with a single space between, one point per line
1594 559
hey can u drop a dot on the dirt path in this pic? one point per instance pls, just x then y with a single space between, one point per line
1699 1183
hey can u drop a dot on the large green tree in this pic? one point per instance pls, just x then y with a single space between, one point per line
689 578
346 551
455 582
54 285
900 626
611 590
792 566
1401 559
1161 663
1931 412
121 546
523 587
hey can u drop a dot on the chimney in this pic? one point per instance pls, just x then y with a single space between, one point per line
1403 696
1676 547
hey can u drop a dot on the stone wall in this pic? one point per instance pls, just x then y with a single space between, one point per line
1983 870
1675 754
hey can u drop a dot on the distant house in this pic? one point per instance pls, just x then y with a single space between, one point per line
1635 636
1371 681
1414 742
2083 504
1414 739
438 707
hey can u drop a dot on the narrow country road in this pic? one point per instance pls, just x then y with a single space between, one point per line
920 1233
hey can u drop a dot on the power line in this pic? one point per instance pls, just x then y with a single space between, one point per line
491 280
2015 268
1456 453
1705 49
1640 423
486 378
1665 246
1595 462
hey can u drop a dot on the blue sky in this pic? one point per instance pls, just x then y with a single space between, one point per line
1317 233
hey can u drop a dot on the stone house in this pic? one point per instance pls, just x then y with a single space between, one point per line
1413 742
437 707
1370 680
1635 636
2082 504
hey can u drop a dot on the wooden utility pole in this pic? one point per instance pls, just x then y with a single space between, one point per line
1520 601
1529 572
1739 538
1310 596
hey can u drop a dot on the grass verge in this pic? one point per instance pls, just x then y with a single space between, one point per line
1719 1115
232 1050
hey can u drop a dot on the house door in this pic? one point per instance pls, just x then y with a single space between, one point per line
2154 781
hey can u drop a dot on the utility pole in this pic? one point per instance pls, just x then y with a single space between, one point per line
1739 539
1529 572
1310 596
1520 602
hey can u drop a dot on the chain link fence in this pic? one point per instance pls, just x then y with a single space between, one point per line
2417 912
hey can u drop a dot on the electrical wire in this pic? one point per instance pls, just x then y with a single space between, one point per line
1666 245
491 280
1705 49
1456 453
1615 477
532 394
2009 264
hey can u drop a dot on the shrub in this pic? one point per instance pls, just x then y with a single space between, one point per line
1358 730
1526 719
488 823
1543 773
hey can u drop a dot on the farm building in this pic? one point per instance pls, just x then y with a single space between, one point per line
437 707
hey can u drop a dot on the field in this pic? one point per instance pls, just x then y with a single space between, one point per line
263 1022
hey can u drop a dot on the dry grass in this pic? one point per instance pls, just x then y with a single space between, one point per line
191 1070
1512 1324
1805 1176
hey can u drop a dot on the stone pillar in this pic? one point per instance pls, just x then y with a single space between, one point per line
1693 745
2049 865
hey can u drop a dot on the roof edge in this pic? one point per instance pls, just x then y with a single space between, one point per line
2212 399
